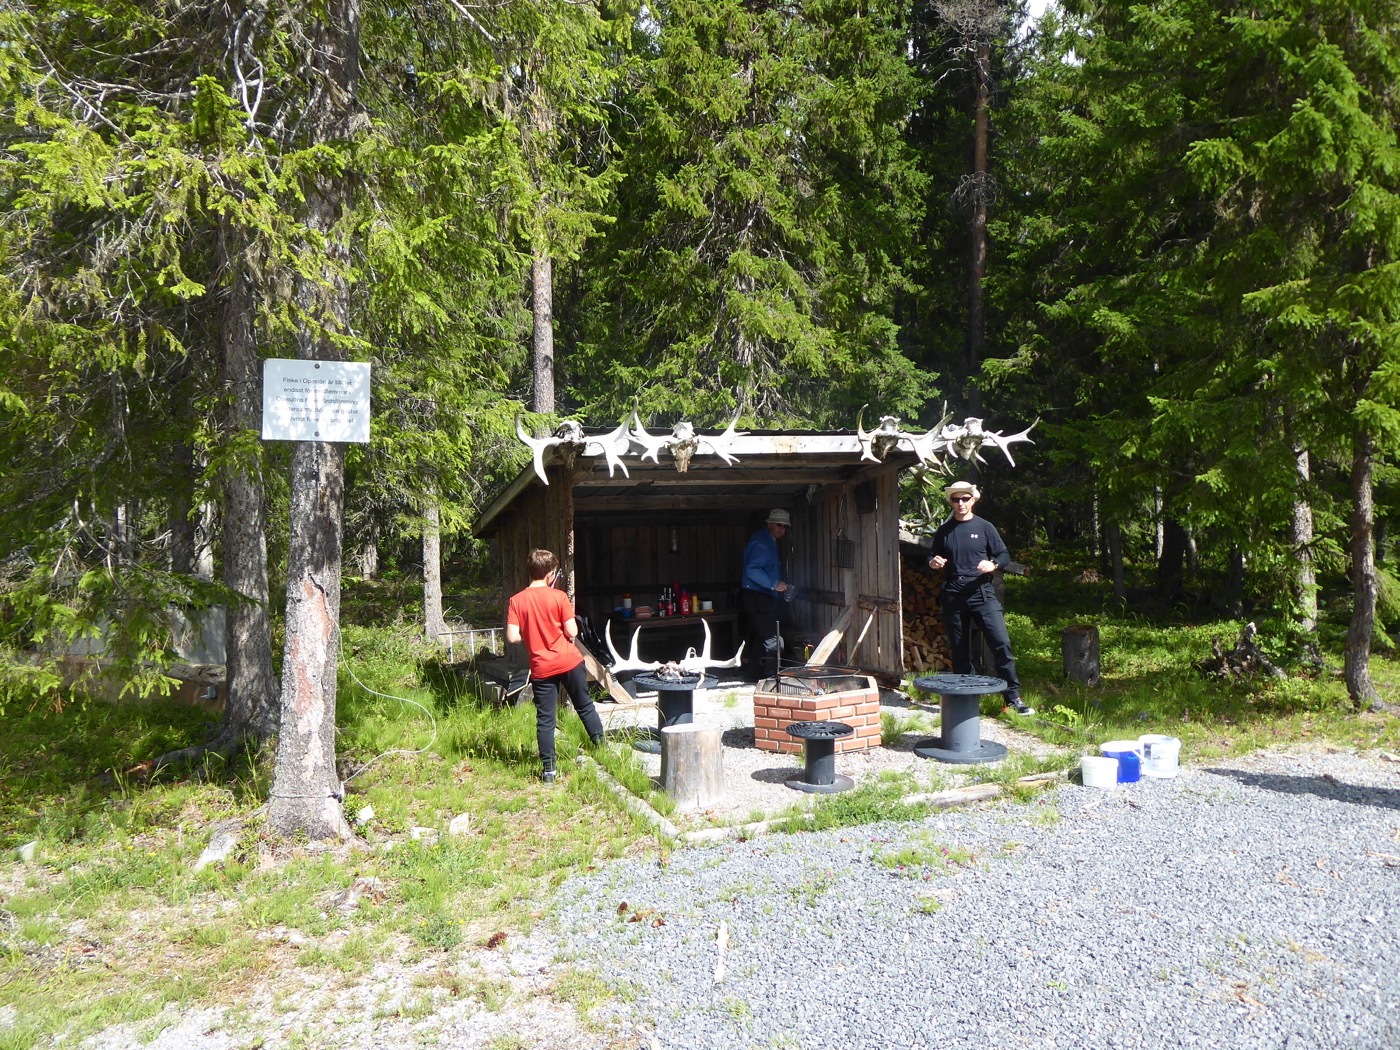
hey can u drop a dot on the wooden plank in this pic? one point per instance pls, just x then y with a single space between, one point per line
851 653
598 671
828 644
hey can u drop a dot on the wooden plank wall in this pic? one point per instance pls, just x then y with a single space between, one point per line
875 574
812 564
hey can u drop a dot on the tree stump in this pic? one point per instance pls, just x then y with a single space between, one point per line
1080 646
692 766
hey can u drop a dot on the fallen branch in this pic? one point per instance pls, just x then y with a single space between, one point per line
1245 660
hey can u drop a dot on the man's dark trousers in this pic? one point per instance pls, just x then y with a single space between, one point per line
979 603
761 614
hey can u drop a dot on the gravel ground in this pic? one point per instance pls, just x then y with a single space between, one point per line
1249 905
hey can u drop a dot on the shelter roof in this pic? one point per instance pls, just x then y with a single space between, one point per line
773 468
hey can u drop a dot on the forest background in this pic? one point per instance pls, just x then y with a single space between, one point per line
1169 231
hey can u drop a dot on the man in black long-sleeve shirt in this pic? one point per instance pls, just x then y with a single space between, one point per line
969 550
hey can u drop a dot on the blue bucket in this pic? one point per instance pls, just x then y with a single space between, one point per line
1129 755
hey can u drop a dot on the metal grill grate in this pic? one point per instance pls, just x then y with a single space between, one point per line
816 681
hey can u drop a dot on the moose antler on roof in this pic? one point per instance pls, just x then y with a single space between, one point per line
612 445
940 442
683 443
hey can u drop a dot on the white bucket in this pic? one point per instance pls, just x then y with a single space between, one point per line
1159 755
1098 771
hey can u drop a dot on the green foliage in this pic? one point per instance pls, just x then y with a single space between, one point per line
763 222
1387 601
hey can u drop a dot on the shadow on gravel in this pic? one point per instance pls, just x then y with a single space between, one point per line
775 775
1324 786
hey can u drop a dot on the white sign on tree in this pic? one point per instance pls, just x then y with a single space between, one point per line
315 401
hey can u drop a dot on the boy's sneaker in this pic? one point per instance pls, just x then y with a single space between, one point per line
599 740
1015 703
548 776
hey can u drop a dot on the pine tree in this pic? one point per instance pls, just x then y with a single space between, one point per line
763 222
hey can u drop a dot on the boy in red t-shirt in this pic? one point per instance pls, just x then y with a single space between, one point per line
543 619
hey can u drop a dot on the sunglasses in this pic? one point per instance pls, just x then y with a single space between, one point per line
959 499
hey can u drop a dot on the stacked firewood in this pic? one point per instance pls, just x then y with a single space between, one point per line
925 638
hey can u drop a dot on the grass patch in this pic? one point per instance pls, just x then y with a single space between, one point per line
923 857
883 798
110 924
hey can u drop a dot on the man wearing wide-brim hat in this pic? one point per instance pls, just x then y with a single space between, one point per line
968 549
761 591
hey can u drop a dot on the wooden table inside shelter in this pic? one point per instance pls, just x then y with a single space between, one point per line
668 637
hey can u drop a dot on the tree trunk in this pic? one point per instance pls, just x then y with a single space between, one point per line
1234 582
977 310
368 555
1079 650
542 285
250 711
1363 576
1115 558
204 542
1305 579
123 545
1171 565
183 543
306 790
434 627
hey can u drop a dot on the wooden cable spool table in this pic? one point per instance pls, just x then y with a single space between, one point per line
961 699
675 701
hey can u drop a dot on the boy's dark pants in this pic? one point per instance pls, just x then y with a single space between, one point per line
575 683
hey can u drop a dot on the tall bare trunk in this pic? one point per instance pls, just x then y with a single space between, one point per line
368 554
977 310
250 712
306 793
1363 576
1305 579
434 627
306 790
183 542
542 297
1171 566
1115 559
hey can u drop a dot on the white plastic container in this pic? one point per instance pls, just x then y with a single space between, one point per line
1098 771
1160 755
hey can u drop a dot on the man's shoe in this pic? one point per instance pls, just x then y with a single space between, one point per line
1015 703
599 740
548 776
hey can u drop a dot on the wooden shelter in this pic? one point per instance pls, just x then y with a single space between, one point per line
633 535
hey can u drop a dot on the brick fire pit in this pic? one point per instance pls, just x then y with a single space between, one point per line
816 694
